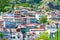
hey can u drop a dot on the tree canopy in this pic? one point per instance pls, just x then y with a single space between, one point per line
42 36
29 3
43 19
3 4
1 34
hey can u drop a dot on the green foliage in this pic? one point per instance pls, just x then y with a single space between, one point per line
43 19
58 33
3 4
1 35
24 4
55 2
43 36
31 3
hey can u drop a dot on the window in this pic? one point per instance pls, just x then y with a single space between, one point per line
31 27
22 15
53 27
17 20
13 25
8 19
17 15
53 12
18 37
57 19
10 24
31 15
7 22
12 37
33 20
25 21
48 27
18 23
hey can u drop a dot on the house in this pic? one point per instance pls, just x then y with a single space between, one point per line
16 36
8 16
24 17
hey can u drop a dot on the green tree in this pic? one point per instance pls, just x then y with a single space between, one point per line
42 36
1 35
25 4
43 19
56 2
3 4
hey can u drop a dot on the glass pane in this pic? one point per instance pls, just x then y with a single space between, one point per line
33 20
17 20
8 19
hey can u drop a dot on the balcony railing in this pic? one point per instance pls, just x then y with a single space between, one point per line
8 14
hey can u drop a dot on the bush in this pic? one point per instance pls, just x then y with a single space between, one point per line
1 35
43 35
